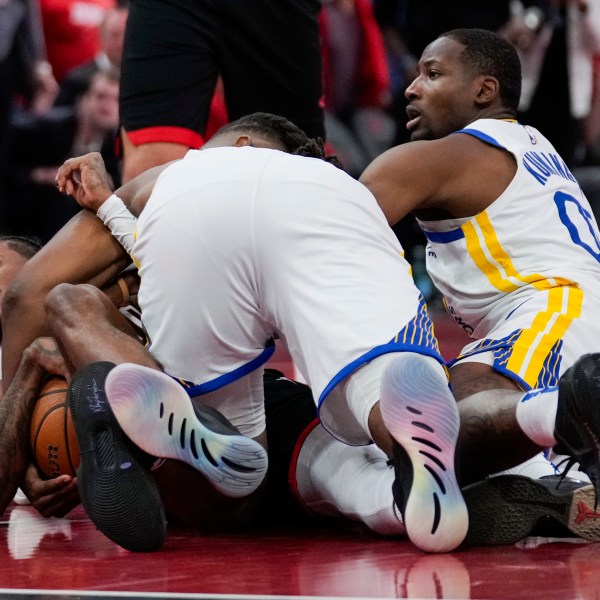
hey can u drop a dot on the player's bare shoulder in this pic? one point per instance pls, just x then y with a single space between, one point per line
474 174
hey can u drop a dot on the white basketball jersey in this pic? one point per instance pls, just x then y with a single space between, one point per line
540 234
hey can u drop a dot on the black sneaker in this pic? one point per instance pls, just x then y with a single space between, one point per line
113 479
507 508
158 416
577 427
420 413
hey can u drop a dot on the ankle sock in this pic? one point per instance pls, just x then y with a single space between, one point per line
536 415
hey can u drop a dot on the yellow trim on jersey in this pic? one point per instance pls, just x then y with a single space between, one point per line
494 262
534 344
133 258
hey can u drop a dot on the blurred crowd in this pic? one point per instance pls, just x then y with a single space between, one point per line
59 78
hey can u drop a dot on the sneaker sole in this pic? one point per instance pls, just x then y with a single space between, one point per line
505 509
158 416
421 415
116 489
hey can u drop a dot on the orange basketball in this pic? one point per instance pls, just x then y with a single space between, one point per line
52 434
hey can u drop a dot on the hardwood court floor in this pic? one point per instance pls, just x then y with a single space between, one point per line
69 557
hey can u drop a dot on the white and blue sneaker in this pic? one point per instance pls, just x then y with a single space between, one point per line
420 413
156 414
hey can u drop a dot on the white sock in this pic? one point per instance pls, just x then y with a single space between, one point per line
355 482
536 415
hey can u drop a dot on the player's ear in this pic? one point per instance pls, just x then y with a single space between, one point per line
243 140
488 89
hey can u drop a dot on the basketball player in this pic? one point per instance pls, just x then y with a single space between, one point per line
15 251
369 342
512 245
174 52
269 274
16 406
328 500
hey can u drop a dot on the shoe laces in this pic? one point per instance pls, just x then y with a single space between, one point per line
569 462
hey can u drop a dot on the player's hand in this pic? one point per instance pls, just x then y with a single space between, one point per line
50 497
43 354
85 178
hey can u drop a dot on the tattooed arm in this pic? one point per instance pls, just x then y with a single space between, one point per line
16 406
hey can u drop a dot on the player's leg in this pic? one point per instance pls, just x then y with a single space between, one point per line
89 328
124 503
335 480
139 156
491 376
502 426
487 402
282 75
403 399
167 81
114 481
348 332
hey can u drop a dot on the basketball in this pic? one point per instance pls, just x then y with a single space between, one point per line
52 434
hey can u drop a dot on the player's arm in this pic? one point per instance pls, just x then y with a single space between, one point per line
83 251
399 180
414 176
85 178
16 407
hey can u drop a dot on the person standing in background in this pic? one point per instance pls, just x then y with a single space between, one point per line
72 31
112 33
267 53
24 73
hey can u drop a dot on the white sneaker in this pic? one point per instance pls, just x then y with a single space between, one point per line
158 416
421 415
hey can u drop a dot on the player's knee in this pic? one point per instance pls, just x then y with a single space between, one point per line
71 301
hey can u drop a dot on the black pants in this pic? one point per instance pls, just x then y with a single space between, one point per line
266 51
289 408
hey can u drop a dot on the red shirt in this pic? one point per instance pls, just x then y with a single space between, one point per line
71 29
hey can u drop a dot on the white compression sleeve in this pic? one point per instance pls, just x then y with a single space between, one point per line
119 220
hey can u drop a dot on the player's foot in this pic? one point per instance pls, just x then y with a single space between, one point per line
577 427
158 416
421 414
113 478
508 508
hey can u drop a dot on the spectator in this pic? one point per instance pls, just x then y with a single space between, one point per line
41 144
112 32
357 83
23 71
558 63
71 29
